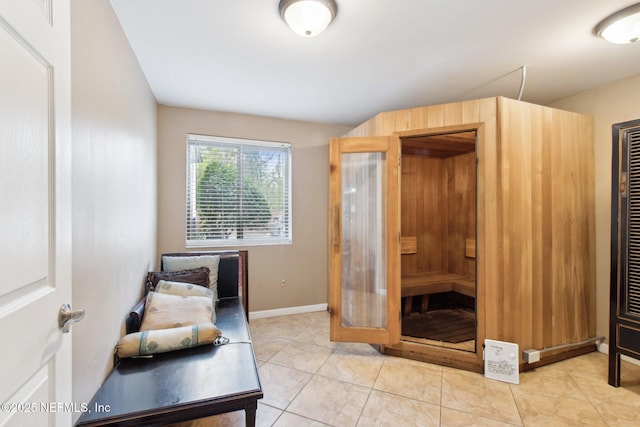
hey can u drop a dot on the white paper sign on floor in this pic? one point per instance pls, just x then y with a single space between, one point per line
501 361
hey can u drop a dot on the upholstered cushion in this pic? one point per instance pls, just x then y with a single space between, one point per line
182 289
134 320
164 311
198 276
179 263
164 340
185 290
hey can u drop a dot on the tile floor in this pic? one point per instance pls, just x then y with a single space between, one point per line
309 381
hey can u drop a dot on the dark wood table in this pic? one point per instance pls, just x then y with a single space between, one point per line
184 384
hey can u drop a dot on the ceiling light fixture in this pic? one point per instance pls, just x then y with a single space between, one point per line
308 18
621 27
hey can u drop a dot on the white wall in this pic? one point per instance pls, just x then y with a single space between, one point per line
114 119
615 103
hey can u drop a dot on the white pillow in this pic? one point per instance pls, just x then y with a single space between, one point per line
185 290
182 289
179 263
162 311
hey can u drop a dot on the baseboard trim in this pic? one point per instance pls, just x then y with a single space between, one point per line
604 348
287 311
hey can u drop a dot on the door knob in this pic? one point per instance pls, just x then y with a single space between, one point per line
66 317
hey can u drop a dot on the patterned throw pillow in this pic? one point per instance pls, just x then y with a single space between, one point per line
182 289
178 263
164 340
164 311
185 290
198 276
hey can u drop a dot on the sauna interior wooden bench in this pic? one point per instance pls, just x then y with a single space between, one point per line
425 284
433 282
191 383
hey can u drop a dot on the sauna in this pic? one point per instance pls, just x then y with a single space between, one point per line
484 208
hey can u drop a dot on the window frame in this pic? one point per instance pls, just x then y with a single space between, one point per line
194 139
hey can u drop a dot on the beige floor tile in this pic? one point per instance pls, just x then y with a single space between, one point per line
594 362
263 328
352 368
280 384
628 379
286 327
330 401
596 387
553 383
265 416
383 409
230 419
287 419
316 335
266 348
539 409
313 318
619 415
412 379
454 418
631 368
302 356
305 322
291 349
355 347
472 393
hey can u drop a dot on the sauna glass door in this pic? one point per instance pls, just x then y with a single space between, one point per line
364 247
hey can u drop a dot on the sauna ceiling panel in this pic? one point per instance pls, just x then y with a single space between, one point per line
440 146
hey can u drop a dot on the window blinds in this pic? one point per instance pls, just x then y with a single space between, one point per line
238 192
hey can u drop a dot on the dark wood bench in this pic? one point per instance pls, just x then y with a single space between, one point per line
190 383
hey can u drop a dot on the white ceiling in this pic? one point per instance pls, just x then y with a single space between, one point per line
378 55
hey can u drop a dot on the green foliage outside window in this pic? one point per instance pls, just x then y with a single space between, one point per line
219 181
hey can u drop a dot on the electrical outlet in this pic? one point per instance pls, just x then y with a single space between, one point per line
531 355
283 283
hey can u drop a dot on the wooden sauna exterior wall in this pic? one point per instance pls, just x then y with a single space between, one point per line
546 215
535 242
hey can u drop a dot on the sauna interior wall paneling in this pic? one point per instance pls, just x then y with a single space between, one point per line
461 215
439 208
422 198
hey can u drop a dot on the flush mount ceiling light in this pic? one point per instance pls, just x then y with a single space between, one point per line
621 27
308 18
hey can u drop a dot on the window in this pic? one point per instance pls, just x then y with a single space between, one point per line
238 192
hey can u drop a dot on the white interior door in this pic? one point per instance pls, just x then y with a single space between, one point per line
35 212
